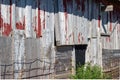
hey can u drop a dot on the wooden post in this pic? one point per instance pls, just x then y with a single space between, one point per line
73 61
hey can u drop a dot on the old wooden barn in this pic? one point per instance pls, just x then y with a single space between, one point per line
47 38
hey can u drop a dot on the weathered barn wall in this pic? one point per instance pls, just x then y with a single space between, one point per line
111 63
72 22
105 29
83 22
33 27
32 17
63 61
93 52
5 54
112 27
5 50
30 24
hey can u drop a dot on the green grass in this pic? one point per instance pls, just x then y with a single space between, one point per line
89 72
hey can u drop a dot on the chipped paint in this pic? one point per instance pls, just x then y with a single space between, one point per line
75 19
7 29
26 19
21 25
99 17
39 34
110 15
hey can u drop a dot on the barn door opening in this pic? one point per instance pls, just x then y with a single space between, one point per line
80 54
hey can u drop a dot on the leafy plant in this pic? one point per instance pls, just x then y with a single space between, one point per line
89 72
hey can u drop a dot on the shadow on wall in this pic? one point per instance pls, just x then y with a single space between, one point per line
80 54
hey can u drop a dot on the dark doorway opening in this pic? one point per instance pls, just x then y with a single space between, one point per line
80 54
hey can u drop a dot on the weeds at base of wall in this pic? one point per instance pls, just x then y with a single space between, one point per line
88 71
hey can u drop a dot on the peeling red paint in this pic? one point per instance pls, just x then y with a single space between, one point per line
6 27
110 29
39 32
79 35
65 3
99 17
1 21
65 13
20 25
66 18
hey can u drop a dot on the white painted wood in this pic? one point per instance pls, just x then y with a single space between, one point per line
28 16
73 62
